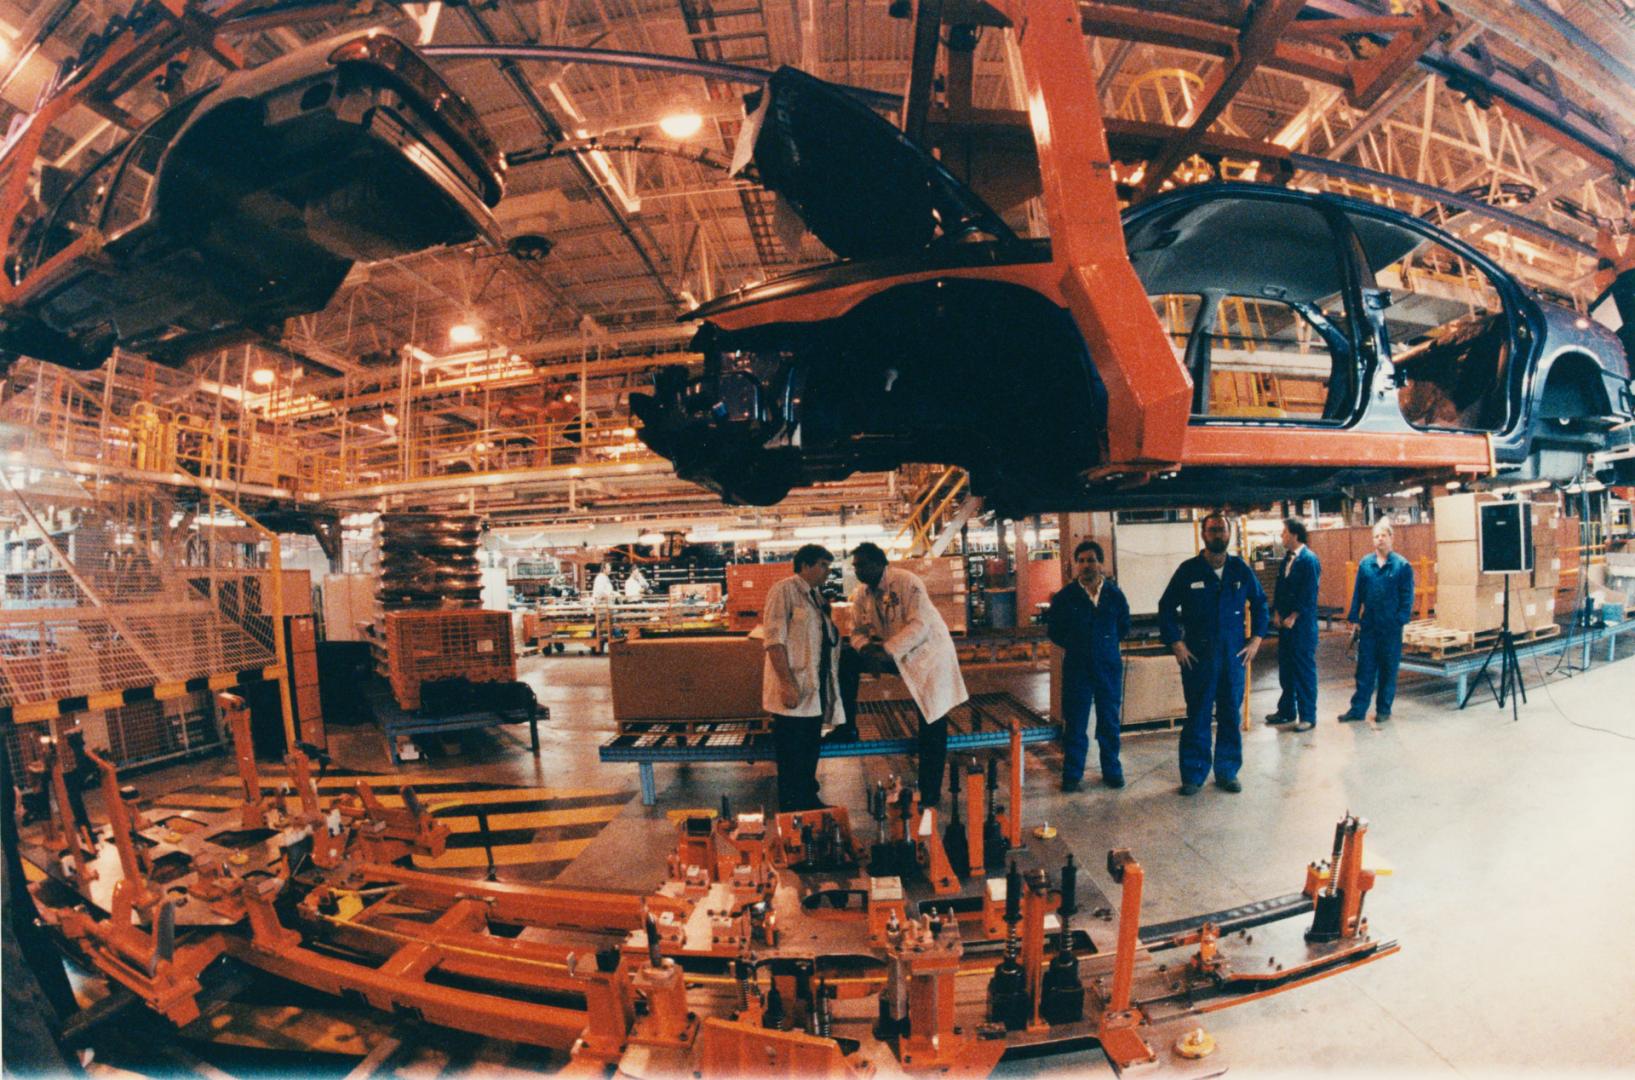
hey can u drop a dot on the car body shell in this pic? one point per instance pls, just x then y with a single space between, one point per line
1044 459
253 208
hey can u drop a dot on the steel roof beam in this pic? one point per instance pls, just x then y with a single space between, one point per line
1255 44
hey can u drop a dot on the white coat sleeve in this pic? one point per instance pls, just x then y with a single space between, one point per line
775 617
863 626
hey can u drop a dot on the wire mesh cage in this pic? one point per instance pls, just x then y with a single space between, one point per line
109 584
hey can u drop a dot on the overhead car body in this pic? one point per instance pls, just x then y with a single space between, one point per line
1226 343
247 203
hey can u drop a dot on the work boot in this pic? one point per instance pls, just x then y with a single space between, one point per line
1306 725
1380 718
1350 718
1228 783
1113 781
1189 789
1274 719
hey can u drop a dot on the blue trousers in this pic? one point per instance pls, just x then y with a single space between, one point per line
1085 684
1214 694
1297 670
1379 651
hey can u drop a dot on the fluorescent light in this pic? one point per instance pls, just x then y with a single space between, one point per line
650 538
725 536
263 376
464 334
389 419
681 125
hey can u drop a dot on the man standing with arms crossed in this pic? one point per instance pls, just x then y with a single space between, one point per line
1294 604
1200 617
1382 602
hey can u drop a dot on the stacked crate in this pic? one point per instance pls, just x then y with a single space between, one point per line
747 586
301 655
427 645
944 578
1468 599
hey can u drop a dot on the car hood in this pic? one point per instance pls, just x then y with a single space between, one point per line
855 180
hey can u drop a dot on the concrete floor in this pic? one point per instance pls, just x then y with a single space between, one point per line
1512 847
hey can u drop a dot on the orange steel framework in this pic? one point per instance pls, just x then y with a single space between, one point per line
775 947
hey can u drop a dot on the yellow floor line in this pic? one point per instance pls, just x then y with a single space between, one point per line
537 819
505 855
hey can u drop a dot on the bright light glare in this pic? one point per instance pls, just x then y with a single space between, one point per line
389 419
464 334
263 376
681 125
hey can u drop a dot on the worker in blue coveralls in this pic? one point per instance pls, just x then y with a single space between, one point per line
1088 619
1200 617
1294 609
1381 605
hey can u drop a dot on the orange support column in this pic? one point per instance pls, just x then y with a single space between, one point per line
1117 1028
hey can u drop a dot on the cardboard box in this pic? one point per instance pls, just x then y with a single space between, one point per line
1470 607
1546 570
1152 689
1458 564
297 592
700 678
1455 515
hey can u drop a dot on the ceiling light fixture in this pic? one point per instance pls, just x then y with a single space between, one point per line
681 125
263 376
389 419
464 334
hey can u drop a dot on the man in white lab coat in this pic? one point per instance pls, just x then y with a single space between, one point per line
602 590
800 682
635 586
895 626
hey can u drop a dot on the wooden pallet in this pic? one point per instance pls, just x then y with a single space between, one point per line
1161 723
1425 638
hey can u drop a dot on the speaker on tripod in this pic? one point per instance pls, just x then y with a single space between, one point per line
1504 546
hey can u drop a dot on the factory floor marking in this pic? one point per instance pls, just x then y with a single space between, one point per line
534 832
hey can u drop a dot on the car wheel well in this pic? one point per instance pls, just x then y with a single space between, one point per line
1573 389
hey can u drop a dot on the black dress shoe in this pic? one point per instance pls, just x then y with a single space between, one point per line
1304 725
843 734
1380 718
1228 783
1113 781
1070 786
1350 718
1189 789
1274 719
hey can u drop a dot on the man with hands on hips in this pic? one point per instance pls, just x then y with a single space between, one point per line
1201 619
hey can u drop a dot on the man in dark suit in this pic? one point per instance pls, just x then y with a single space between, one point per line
1294 604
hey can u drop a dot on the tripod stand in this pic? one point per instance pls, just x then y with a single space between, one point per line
1510 684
